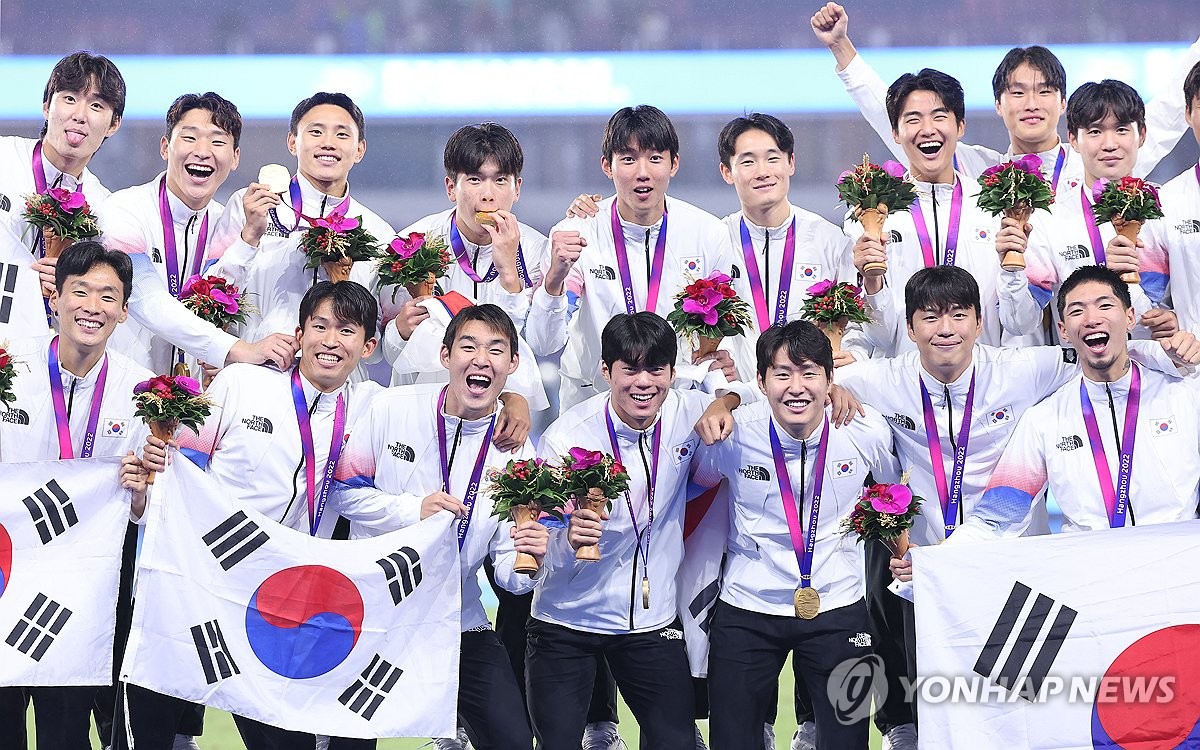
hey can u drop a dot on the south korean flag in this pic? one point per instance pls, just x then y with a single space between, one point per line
344 638
62 526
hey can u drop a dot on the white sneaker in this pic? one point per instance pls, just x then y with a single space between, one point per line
602 735
805 737
900 737
768 737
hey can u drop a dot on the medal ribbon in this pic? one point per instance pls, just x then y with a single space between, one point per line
1089 220
298 204
660 251
655 442
317 497
460 254
951 232
950 496
174 282
476 474
756 282
1058 165
791 510
1116 501
65 449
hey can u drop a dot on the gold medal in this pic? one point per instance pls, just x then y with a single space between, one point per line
645 592
808 603
181 369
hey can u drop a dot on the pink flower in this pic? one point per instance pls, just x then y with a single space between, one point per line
70 200
992 170
336 222
1031 163
226 300
406 247
189 386
894 499
582 458
894 169
1099 188
842 177
820 288
717 277
704 303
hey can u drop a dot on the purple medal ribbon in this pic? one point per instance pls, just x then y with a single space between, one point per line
654 446
652 283
950 496
951 232
756 282
168 224
65 449
317 498
298 204
1089 220
460 254
476 474
1058 165
1116 501
803 547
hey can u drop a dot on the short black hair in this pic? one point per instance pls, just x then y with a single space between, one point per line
472 145
804 341
488 314
223 113
643 339
82 256
1040 59
646 125
1092 102
83 71
351 302
939 289
337 100
1191 86
945 86
1101 274
769 124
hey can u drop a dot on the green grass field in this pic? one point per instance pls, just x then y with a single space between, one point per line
221 734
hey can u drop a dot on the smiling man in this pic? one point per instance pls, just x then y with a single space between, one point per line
165 225
428 448
634 254
258 236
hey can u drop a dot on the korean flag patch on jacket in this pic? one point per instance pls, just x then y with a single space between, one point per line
844 468
1000 416
1163 426
116 428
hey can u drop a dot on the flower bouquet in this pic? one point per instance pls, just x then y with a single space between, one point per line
870 191
214 299
707 311
1015 189
832 305
1128 203
593 478
164 402
8 373
414 262
66 213
522 491
885 513
335 242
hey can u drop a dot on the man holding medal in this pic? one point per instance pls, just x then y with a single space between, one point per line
428 448
793 580
164 226
74 399
639 249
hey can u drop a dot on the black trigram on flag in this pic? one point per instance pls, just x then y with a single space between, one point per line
704 600
234 538
372 686
1020 642
215 659
8 289
402 569
38 627
51 510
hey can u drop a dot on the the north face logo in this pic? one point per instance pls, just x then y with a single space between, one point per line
1070 443
1187 226
156 255
902 421
895 236
5 203
403 452
14 415
1075 252
259 424
274 231
604 273
735 273
755 472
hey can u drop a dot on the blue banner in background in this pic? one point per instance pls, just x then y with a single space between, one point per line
681 83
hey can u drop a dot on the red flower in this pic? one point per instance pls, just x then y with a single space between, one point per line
4 358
